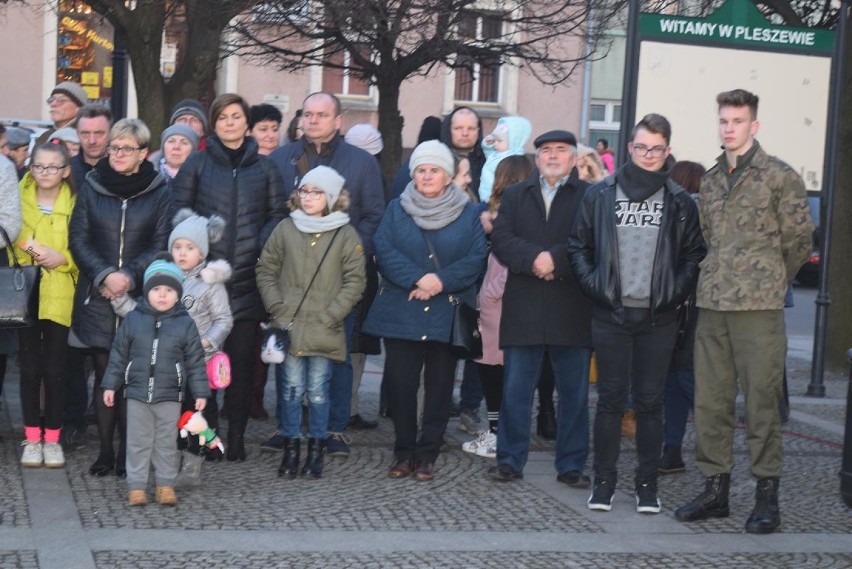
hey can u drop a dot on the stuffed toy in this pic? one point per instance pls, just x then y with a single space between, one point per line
194 423
274 345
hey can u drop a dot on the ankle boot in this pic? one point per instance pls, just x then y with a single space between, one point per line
766 517
313 463
546 427
712 503
290 462
235 449
671 461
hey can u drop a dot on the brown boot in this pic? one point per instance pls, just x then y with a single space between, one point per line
166 496
137 498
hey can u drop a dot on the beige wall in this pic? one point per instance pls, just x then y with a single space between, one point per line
23 91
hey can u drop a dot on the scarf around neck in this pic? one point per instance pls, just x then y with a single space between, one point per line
639 184
433 213
310 224
125 186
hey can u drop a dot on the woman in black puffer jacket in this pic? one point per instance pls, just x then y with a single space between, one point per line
121 220
230 179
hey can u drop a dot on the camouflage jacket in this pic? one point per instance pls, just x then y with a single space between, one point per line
758 235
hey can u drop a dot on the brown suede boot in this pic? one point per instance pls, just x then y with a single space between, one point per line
166 496
137 498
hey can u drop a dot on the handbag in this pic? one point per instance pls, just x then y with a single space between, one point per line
18 291
219 371
465 337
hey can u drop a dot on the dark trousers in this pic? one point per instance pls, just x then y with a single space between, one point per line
76 390
491 379
403 362
636 353
680 395
109 417
340 388
470 392
240 347
41 352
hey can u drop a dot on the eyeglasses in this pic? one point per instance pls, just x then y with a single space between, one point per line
653 151
308 194
122 150
58 100
38 169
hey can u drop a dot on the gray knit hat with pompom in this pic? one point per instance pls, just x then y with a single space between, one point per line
200 230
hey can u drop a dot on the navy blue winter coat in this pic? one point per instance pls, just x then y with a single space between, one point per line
403 258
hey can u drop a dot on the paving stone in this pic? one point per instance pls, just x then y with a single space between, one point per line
18 560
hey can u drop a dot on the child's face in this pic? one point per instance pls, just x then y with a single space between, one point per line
312 200
462 177
162 298
186 254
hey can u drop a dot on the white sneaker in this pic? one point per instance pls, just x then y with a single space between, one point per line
53 455
489 449
32 456
485 439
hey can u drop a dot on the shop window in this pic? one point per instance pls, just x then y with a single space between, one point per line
84 50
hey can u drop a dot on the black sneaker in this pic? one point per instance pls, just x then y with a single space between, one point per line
275 443
574 479
337 444
601 498
646 498
504 473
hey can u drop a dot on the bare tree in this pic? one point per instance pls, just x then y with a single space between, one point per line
386 42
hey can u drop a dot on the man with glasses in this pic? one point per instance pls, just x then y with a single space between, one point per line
635 250
64 102
758 226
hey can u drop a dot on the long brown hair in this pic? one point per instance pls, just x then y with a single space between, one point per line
510 170
687 174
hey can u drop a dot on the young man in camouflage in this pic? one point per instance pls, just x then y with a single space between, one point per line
757 225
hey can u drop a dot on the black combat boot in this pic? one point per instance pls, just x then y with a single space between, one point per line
313 463
290 462
766 517
712 503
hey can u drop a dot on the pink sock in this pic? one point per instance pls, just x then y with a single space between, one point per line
51 435
33 434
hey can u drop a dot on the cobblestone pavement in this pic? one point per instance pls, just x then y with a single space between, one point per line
245 516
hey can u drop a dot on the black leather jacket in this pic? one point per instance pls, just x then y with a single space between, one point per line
592 249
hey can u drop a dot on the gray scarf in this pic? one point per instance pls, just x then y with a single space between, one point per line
433 213
310 224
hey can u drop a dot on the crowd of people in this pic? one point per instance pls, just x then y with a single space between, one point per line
155 265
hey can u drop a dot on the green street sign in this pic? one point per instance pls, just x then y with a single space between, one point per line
735 23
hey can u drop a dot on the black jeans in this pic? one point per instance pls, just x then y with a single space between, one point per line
404 360
240 347
76 390
41 352
636 353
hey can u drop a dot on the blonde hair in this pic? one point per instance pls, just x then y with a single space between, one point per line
592 161
133 128
342 203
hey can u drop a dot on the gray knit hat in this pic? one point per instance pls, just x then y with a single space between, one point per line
366 137
66 134
73 91
435 153
325 179
190 107
17 137
200 230
181 130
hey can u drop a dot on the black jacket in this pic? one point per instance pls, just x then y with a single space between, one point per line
108 233
151 371
593 249
251 200
536 311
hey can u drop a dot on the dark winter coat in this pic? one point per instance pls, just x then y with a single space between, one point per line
358 168
403 258
593 249
249 197
155 355
535 311
109 233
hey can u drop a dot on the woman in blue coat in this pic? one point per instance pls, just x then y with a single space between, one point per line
412 310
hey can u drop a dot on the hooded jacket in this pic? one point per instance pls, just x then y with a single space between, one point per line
517 130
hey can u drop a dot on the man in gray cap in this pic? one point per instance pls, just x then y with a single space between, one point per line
18 140
64 102
545 314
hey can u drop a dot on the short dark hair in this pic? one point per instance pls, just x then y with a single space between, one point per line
604 142
292 135
655 124
338 108
222 101
93 111
688 175
264 112
738 98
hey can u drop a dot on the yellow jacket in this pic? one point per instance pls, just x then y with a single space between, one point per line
56 290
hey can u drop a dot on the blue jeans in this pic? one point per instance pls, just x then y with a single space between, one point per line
520 376
470 392
680 396
341 384
296 376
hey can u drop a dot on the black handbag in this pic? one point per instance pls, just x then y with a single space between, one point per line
18 291
465 337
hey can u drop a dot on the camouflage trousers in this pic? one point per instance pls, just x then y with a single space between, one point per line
749 346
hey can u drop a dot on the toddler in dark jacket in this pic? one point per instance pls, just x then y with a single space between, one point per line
156 352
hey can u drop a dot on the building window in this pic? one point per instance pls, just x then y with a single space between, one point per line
84 50
605 122
478 77
340 79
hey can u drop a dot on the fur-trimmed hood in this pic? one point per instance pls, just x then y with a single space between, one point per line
218 271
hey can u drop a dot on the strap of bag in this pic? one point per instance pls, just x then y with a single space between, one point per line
313 278
434 256
8 246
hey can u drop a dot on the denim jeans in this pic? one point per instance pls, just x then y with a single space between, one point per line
470 392
520 376
633 355
680 396
341 384
297 376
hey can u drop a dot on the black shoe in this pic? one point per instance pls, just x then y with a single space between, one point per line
313 463
235 449
766 517
290 461
275 443
102 466
455 409
546 424
121 467
73 439
671 462
602 493
711 503
359 423
213 455
574 479
504 473
647 501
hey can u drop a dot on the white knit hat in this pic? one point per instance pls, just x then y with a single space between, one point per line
365 137
325 179
435 153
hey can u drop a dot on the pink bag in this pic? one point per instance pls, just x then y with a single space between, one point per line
219 371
